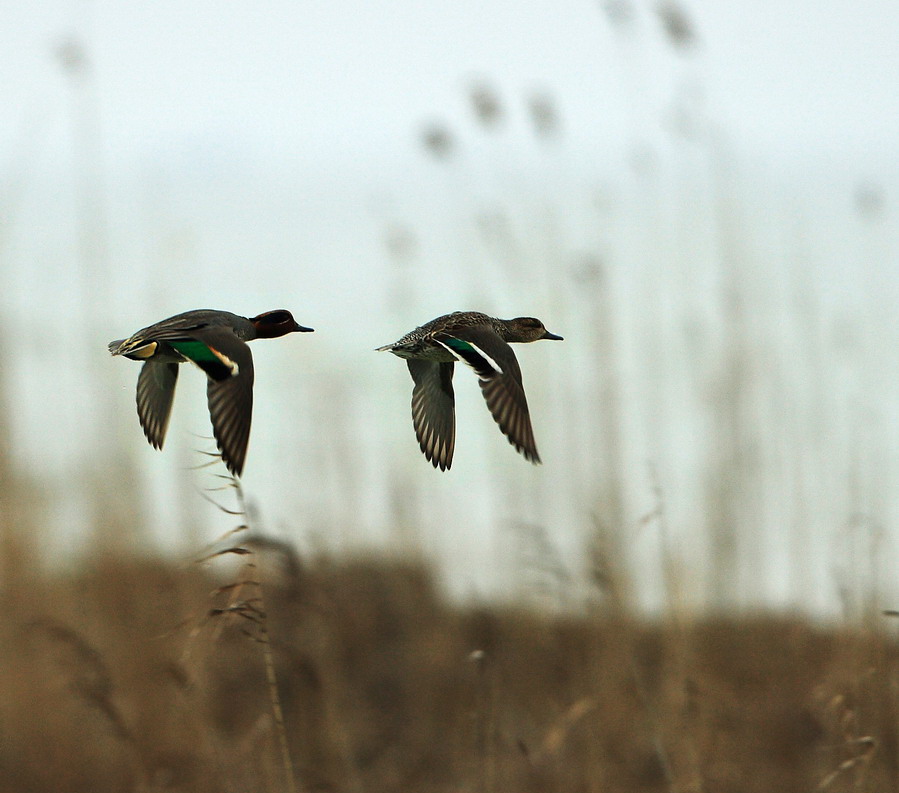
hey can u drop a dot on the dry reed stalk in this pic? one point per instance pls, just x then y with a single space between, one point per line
253 609
655 724
860 748
89 675
677 699
89 678
558 732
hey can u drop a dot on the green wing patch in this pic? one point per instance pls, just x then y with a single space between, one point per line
195 351
210 360
457 344
476 358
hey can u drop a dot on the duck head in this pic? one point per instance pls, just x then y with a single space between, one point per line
271 324
527 329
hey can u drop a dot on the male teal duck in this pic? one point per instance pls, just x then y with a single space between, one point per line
481 342
214 341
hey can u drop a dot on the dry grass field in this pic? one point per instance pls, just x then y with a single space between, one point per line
141 674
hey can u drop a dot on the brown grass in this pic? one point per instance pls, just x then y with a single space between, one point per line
120 675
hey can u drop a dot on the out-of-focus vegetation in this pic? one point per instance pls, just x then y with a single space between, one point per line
127 673
718 434
723 404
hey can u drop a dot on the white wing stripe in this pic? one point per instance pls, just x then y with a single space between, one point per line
493 364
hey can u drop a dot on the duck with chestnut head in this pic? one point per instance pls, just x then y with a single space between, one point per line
216 342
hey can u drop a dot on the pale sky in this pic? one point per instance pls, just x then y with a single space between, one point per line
253 156
296 85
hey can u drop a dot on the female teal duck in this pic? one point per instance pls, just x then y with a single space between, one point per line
214 341
481 342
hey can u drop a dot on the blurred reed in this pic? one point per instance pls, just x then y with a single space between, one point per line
130 673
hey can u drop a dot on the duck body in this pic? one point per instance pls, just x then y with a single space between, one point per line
216 342
481 342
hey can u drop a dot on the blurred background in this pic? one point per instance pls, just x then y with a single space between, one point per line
694 592
699 197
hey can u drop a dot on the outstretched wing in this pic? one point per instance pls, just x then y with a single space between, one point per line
155 389
228 363
142 344
434 410
500 379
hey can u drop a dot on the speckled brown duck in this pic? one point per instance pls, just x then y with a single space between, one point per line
482 342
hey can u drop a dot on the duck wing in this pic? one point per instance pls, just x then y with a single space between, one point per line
228 364
434 410
155 389
181 327
499 376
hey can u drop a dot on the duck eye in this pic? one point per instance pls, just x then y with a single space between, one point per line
275 317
